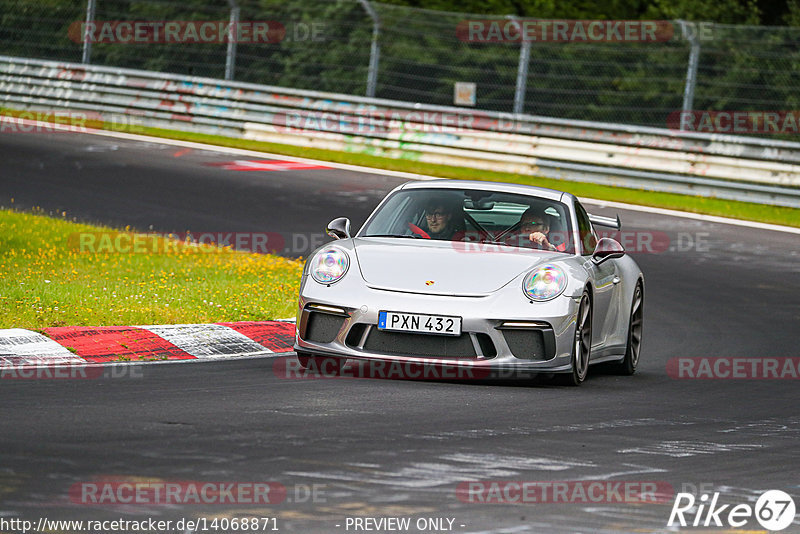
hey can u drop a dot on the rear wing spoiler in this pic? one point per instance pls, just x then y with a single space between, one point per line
610 222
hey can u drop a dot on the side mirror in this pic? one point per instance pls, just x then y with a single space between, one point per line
339 228
607 248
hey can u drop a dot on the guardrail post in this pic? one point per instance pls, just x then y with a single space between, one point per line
522 69
375 50
87 42
230 56
689 32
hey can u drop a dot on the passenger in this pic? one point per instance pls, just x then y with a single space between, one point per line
534 228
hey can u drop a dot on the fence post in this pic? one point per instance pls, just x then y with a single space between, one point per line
522 69
87 42
230 56
375 50
689 32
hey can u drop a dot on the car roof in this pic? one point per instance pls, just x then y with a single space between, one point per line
500 187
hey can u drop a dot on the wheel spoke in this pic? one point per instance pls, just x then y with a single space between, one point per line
587 337
583 338
635 332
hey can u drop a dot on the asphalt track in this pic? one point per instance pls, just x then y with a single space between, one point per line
399 448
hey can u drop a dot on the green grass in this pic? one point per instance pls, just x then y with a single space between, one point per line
693 204
47 280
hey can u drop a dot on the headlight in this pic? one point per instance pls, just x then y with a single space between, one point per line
329 265
545 283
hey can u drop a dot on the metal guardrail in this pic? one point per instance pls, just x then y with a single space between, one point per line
732 167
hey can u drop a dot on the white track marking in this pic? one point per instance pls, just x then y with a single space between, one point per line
24 347
208 340
681 449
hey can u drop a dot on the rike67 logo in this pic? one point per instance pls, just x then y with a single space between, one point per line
774 510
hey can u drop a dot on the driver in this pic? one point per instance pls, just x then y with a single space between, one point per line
534 228
441 219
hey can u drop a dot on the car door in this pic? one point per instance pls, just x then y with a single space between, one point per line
606 281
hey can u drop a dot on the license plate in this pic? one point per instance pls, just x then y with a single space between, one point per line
420 323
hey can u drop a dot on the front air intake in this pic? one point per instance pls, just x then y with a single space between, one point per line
526 344
420 345
323 327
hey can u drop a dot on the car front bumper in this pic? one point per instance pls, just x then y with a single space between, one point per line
499 332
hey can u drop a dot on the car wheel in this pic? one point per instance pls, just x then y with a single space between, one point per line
328 365
582 344
628 364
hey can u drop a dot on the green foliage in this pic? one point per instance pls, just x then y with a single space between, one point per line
327 47
719 11
792 15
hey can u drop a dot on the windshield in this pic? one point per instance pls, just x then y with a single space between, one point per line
472 215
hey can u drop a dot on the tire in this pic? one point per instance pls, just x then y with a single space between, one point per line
633 349
581 346
328 365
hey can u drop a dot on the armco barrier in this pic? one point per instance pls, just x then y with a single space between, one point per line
733 167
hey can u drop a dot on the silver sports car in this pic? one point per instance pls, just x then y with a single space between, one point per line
484 275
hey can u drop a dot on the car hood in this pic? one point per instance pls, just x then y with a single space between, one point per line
442 267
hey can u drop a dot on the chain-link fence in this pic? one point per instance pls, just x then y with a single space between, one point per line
395 52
